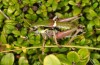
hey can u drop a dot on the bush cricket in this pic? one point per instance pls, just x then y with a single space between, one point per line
53 29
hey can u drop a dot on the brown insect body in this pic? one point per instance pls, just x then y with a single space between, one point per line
63 34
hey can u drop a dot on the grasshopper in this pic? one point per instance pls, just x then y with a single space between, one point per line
53 29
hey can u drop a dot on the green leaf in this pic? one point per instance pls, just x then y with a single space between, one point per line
63 58
83 41
88 16
32 2
38 11
95 55
14 1
1 16
10 21
3 37
37 39
96 62
7 59
26 1
90 26
86 10
81 63
49 9
30 11
32 17
10 39
92 12
18 12
23 61
77 1
97 31
54 5
45 13
9 27
95 5
54 49
59 15
10 10
49 2
16 32
73 56
19 41
24 31
84 53
85 1
76 11
5 2
67 8
97 22
51 60
98 38
72 3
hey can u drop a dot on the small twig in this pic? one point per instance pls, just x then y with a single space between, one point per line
4 14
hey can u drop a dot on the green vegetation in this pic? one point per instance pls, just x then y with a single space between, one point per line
20 43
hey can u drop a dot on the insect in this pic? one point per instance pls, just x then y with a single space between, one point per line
58 29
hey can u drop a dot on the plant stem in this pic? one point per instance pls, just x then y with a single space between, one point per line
4 14
51 46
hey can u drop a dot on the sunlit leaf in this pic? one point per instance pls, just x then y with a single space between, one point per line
7 59
97 22
59 15
16 32
84 53
76 11
10 10
98 38
23 61
92 12
73 56
90 26
85 1
72 2
49 2
95 5
83 41
3 37
54 5
51 60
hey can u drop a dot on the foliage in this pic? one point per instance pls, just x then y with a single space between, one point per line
20 45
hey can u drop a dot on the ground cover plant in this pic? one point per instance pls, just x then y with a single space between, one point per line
49 32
